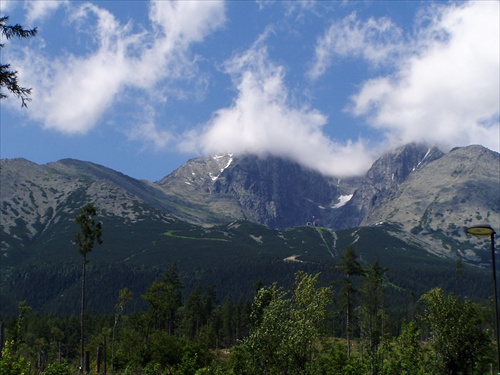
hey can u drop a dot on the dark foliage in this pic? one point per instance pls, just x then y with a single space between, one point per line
8 77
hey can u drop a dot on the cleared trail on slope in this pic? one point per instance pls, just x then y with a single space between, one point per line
334 235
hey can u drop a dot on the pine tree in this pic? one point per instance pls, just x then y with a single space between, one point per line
371 319
350 267
89 235
125 296
8 78
192 314
165 298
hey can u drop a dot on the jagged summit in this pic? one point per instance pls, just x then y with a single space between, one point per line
381 180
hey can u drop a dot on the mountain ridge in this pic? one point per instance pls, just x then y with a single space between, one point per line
273 192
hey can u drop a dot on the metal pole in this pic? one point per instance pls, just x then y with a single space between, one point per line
492 236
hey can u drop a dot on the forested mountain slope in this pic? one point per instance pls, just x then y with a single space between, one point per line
230 220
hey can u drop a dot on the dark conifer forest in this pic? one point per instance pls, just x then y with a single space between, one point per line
346 319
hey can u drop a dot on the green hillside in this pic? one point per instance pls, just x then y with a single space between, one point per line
46 270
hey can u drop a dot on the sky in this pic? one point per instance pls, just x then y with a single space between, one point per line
144 86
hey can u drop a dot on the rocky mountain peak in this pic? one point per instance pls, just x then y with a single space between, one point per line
381 181
271 191
394 167
459 189
197 174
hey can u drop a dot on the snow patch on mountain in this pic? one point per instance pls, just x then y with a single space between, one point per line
343 199
218 159
421 161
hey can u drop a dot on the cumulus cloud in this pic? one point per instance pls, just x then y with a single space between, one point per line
72 92
262 121
447 90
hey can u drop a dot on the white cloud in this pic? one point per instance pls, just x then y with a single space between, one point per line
444 86
39 10
376 41
262 121
71 93
176 25
447 91
185 22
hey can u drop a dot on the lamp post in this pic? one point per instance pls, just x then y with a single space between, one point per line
484 231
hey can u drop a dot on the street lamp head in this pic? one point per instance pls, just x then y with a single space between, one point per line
481 231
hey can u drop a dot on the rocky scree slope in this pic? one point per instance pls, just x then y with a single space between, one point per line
34 197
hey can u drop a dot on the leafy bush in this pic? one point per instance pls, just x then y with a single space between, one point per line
58 369
11 363
152 368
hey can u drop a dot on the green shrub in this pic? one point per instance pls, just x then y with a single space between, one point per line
12 363
58 369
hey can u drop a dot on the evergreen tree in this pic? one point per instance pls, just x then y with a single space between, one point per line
165 298
242 324
24 309
209 303
125 296
8 78
350 267
89 235
371 314
228 323
192 314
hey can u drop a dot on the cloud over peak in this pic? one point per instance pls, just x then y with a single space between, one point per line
262 121
447 91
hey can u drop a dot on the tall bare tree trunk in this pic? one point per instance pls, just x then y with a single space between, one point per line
348 327
82 316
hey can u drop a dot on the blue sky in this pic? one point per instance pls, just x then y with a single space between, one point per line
141 87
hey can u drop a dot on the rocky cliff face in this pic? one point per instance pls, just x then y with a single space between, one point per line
432 195
271 191
382 181
276 192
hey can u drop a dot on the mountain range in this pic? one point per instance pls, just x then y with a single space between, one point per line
412 204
